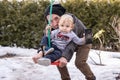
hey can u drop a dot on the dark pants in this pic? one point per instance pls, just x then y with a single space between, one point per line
80 62
44 41
56 54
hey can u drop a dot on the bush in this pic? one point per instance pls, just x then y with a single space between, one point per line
21 23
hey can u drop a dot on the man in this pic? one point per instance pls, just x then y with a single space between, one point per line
81 51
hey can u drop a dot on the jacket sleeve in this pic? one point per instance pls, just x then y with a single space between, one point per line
78 30
69 50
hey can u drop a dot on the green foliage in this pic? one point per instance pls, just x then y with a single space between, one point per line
21 23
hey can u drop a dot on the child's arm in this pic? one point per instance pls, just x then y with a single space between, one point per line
77 40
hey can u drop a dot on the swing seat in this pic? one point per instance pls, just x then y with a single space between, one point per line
55 63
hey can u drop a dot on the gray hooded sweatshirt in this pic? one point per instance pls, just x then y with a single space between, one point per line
61 39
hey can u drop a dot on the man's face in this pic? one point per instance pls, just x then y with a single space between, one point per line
54 21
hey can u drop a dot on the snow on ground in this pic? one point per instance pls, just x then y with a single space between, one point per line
21 66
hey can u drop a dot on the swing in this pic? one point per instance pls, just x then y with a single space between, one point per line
49 22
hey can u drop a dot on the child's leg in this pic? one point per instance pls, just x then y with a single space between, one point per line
44 41
44 44
50 58
44 61
54 55
50 50
37 56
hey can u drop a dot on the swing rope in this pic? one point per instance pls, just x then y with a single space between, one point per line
49 22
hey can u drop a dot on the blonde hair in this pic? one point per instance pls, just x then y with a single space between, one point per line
68 18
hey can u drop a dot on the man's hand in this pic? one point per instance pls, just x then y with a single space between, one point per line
47 28
63 62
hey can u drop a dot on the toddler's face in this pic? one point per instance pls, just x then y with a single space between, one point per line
65 26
